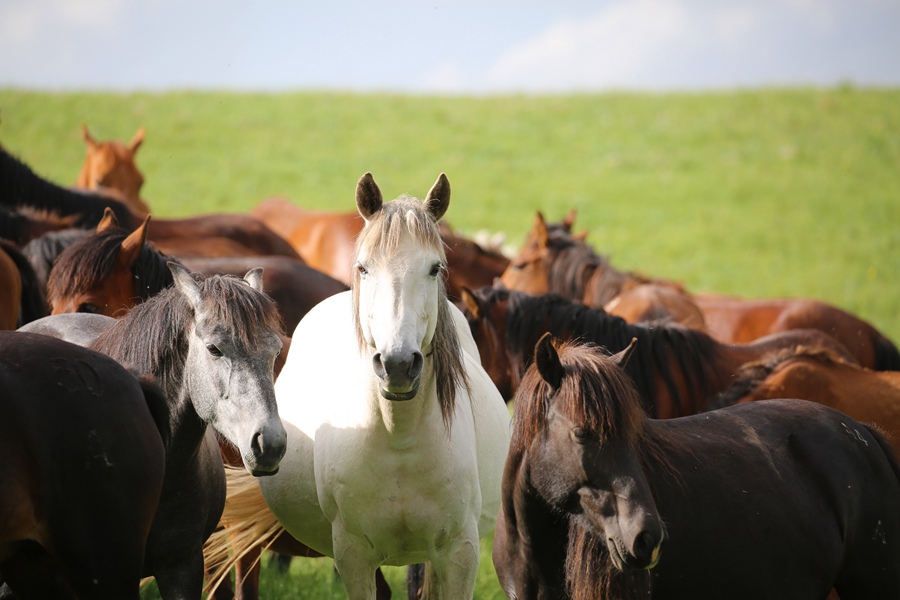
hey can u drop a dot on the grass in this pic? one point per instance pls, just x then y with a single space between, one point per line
770 192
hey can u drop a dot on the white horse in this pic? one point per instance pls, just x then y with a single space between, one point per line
396 435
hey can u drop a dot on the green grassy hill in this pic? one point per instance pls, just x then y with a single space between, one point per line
760 193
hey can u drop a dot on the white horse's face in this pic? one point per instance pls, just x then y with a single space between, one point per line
398 309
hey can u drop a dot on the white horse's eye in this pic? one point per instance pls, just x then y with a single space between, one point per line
362 270
435 269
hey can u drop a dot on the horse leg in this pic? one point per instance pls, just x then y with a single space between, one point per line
415 579
181 578
355 565
452 574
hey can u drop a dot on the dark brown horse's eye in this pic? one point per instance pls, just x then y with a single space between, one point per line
87 307
212 349
581 433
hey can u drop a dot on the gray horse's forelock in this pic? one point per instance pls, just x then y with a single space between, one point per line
382 233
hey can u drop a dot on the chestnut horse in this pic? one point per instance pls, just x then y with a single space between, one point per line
783 500
556 261
110 165
553 260
677 370
326 241
83 446
818 375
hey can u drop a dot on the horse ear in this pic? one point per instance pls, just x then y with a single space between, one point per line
540 229
109 220
547 360
621 358
185 282
438 198
470 301
255 278
581 236
136 141
86 136
131 246
569 220
368 197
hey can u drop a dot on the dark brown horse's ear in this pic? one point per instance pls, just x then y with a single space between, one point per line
569 220
547 360
136 141
368 197
621 358
438 198
109 220
540 229
580 236
131 247
470 302
254 277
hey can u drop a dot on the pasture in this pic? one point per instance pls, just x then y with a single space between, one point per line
759 193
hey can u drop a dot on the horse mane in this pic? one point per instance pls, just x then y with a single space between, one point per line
93 259
385 229
20 187
43 251
751 375
658 343
153 337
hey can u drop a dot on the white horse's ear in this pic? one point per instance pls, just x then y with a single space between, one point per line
368 197
547 360
185 283
254 277
438 198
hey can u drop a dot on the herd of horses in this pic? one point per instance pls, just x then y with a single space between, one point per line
179 395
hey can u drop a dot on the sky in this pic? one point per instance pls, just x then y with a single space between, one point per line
447 47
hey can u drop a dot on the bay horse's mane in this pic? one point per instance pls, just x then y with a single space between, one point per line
153 336
20 188
383 232
750 375
93 258
658 343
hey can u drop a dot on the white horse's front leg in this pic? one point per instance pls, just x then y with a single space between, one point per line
455 569
356 561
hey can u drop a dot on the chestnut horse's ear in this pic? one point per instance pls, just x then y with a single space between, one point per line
547 360
569 220
109 220
185 283
470 302
368 197
86 136
131 246
621 358
438 198
540 229
254 277
136 141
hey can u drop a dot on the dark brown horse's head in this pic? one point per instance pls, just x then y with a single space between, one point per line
110 166
487 322
579 422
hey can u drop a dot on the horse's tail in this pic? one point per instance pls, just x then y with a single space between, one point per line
887 356
158 405
246 524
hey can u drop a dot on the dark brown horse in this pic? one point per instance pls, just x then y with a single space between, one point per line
553 260
676 369
82 470
783 500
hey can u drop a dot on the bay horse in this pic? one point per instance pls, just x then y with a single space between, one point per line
782 499
553 260
821 376
326 241
677 370
82 470
408 432
110 165
211 342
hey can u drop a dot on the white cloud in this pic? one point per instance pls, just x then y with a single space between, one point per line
608 49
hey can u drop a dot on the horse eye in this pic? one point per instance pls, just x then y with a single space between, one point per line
435 269
87 307
362 270
212 349
519 266
582 434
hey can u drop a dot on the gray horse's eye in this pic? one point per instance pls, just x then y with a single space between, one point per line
212 349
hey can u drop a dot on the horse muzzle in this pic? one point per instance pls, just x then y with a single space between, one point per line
398 374
267 448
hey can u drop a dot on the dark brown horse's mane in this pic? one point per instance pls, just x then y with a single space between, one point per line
93 258
384 229
43 251
750 375
657 343
153 336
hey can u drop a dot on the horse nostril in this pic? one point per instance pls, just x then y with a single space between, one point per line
415 368
378 366
644 545
257 444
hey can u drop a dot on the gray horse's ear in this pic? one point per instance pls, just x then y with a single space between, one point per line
368 197
547 360
621 358
185 283
255 278
438 198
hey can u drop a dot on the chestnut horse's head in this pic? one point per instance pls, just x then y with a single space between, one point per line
110 166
